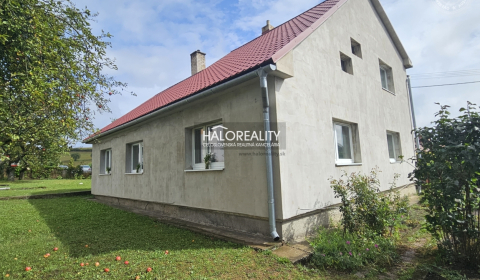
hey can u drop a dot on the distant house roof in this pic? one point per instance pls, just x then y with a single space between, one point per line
267 48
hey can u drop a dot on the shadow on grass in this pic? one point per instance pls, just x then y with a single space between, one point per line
16 182
16 192
77 222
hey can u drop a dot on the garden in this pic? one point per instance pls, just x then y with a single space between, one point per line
381 235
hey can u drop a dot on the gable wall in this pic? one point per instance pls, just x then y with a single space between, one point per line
320 92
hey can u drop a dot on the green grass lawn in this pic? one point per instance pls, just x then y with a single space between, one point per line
85 157
32 187
29 229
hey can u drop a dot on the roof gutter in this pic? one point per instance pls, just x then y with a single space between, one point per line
248 76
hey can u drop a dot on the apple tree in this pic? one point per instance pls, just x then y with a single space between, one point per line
52 78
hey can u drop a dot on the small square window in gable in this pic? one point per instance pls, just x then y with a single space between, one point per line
356 48
346 63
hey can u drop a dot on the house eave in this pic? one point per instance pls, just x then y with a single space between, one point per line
271 68
407 63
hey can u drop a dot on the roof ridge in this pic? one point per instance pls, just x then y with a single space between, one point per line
281 24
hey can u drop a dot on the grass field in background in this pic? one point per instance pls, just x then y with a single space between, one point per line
32 228
85 157
32 187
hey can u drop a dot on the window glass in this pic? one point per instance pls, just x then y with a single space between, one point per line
215 142
344 146
383 75
198 138
107 159
391 146
135 156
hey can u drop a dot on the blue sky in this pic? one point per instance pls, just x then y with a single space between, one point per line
153 40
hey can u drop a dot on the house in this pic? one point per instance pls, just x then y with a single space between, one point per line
323 93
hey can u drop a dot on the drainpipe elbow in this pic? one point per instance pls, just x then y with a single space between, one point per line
275 235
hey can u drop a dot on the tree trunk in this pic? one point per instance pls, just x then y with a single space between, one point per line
11 174
21 175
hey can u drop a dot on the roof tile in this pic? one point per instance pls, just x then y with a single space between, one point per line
253 54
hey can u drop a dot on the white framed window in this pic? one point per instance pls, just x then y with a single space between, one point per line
386 76
394 148
343 143
106 161
207 140
134 160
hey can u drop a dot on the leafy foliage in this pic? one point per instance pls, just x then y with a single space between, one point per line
364 209
349 251
52 79
448 170
370 222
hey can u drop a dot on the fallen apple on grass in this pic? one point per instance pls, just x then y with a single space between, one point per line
126 262
149 269
97 264
28 268
106 270
118 258
82 264
55 249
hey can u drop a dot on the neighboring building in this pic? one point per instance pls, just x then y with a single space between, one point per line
337 92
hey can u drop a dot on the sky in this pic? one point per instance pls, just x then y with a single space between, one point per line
153 40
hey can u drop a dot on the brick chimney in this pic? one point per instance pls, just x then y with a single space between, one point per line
267 27
198 61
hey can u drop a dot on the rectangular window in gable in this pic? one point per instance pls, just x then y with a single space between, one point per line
347 144
386 76
394 148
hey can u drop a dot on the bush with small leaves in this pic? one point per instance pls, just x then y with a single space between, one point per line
448 172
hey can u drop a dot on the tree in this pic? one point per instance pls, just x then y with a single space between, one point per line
75 156
52 79
448 170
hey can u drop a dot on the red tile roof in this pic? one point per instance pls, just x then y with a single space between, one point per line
267 48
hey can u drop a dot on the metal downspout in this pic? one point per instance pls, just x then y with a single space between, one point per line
412 110
262 73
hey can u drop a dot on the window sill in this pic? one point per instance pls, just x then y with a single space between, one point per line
391 92
203 170
395 162
348 164
141 173
105 174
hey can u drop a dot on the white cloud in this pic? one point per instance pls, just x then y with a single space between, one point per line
437 41
153 39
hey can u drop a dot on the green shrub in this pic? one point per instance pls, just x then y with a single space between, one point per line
364 209
369 224
448 171
349 251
